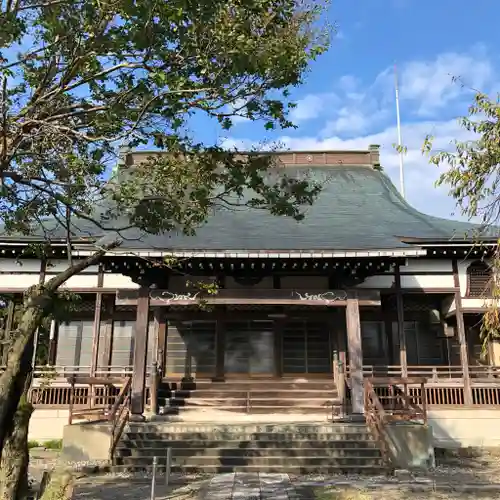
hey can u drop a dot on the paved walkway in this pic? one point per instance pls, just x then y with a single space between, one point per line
251 486
246 486
220 487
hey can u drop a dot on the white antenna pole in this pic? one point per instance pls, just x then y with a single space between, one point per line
400 139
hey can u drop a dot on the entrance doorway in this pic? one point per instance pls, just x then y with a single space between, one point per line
250 349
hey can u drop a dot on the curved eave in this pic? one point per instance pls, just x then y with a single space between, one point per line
265 254
431 242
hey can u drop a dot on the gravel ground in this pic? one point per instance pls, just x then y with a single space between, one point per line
453 478
399 494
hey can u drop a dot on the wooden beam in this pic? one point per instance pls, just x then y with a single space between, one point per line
140 355
274 296
403 357
355 350
462 340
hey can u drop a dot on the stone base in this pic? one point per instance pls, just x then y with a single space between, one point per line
356 417
136 418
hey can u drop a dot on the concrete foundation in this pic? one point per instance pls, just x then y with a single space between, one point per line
86 442
464 428
410 445
453 428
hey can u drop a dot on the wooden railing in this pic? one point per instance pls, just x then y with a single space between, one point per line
119 416
64 372
90 398
445 385
375 420
396 397
435 373
397 406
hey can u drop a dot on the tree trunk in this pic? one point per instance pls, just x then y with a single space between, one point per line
18 369
60 486
15 411
15 456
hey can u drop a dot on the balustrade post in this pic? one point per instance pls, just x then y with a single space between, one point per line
153 389
335 366
424 401
341 388
71 399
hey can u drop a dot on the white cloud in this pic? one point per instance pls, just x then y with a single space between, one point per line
431 86
349 120
312 106
367 116
238 107
420 175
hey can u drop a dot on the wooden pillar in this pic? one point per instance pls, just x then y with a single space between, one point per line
462 340
355 350
7 329
403 358
161 346
97 323
220 348
279 326
41 281
140 355
53 337
107 343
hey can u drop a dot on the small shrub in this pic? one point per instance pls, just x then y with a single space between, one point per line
53 444
33 444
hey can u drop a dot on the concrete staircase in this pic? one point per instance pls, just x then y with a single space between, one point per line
283 448
250 396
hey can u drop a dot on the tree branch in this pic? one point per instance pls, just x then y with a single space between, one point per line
53 284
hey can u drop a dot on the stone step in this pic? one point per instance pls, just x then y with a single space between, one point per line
235 459
264 392
278 385
298 408
162 445
243 437
250 451
292 469
259 400
293 429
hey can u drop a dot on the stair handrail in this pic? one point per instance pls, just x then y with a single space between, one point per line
376 418
119 415
408 410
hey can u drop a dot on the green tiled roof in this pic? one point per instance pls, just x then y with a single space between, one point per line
359 208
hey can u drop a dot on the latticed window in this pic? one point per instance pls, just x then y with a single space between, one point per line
479 280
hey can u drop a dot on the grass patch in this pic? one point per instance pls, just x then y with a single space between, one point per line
341 494
53 444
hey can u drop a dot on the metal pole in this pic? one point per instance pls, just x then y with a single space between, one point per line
168 466
400 140
153 479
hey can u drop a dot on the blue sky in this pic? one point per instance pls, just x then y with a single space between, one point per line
348 99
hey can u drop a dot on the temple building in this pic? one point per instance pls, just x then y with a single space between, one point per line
364 286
